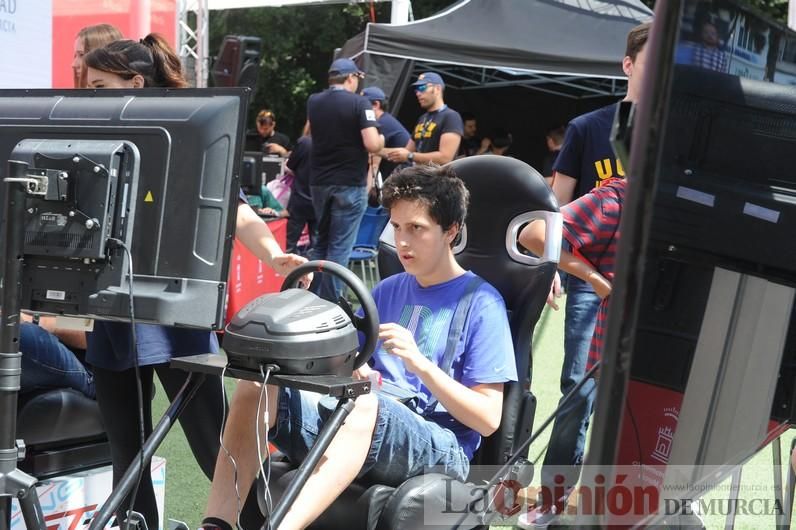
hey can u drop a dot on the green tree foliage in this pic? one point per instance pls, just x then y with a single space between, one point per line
299 44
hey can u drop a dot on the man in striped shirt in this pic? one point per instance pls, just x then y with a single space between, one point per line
591 227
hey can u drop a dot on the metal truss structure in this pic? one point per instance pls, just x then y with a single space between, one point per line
193 34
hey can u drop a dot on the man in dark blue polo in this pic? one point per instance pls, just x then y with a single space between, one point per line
395 134
344 130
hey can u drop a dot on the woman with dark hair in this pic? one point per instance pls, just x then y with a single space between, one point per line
91 38
129 64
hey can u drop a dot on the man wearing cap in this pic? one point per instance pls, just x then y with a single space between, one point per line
438 132
395 134
344 131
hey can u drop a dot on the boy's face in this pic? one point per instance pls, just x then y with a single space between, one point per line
421 243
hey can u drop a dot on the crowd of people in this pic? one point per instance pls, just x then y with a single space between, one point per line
351 141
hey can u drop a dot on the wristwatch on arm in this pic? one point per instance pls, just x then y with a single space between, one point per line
410 157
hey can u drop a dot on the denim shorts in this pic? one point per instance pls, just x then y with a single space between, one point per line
404 443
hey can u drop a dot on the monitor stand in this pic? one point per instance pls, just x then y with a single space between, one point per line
14 483
345 389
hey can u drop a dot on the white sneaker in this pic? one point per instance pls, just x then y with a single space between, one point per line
539 517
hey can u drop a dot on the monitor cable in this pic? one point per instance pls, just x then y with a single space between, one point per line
139 385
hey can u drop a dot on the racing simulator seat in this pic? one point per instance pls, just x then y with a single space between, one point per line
63 433
505 194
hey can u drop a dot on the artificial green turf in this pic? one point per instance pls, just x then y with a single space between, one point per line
187 487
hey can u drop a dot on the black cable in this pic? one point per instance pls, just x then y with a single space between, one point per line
139 384
527 443
635 431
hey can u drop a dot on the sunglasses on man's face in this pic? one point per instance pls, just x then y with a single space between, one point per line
421 88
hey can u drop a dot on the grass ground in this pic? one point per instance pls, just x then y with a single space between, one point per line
187 487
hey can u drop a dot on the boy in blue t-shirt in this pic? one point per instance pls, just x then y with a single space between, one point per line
384 439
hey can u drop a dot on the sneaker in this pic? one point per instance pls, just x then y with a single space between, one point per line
541 516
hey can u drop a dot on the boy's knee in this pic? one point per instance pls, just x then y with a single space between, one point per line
365 411
247 391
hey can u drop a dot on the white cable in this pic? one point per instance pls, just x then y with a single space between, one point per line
269 503
229 455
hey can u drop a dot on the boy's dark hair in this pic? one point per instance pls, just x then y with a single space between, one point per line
636 40
467 116
437 187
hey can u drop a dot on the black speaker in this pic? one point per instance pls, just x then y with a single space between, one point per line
238 62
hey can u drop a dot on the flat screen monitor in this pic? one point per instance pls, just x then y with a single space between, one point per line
252 172
699 362
156 169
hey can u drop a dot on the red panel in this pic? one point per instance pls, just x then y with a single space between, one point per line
649 423
248 276
70 16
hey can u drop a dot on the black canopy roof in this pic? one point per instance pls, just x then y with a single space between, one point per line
565 46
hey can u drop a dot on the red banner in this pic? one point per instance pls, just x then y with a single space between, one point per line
248 276
70 16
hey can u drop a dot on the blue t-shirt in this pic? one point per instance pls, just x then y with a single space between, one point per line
395 135
485 355
587 154
337 118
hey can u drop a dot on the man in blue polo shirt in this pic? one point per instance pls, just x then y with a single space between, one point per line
344 131
395 134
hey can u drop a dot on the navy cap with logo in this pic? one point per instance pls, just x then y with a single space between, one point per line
429 78
374 93
345 66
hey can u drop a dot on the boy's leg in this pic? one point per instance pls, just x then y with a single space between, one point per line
339 466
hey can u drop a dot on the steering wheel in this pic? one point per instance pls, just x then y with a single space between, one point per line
367 324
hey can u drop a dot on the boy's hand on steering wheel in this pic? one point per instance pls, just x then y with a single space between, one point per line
362 372
399 341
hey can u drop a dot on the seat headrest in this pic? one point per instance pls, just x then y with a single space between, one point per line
505 193
502 189
504 182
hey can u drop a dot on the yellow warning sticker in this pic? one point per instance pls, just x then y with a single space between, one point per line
149 197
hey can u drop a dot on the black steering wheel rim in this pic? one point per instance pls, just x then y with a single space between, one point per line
368 323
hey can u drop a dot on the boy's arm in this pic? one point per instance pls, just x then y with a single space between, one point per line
479 407
532 237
